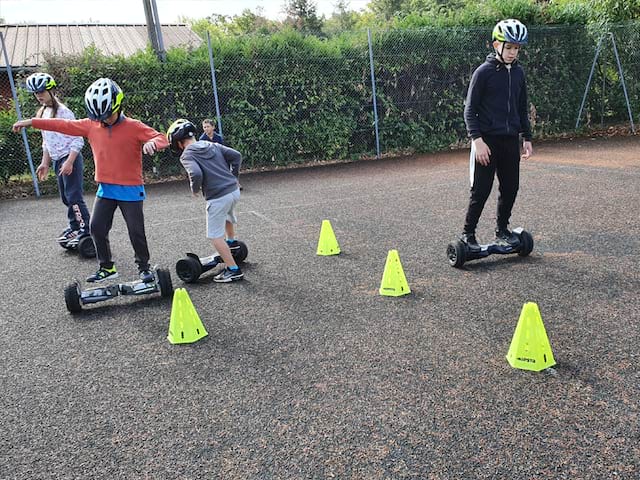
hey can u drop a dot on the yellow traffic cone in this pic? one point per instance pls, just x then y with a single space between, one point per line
327 243
394 283
530 348
185 325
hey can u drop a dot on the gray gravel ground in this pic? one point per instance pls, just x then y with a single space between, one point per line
307 372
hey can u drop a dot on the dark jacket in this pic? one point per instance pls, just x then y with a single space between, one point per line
212 168
217 138
497 102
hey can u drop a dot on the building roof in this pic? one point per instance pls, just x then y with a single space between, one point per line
26 44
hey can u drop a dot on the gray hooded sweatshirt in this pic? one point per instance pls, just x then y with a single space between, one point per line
212 168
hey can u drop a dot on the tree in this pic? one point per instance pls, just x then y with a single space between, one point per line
302 16
342 19
386 9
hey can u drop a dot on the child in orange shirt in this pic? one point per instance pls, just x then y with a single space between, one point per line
117 143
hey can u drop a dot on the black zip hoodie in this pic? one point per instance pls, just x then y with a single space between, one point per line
496 102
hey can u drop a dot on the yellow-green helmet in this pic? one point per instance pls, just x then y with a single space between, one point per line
510 31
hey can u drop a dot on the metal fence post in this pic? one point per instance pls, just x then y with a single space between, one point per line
375 100
586 90
624 87
215 85
19 114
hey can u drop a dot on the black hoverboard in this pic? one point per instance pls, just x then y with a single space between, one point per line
190 268
459 252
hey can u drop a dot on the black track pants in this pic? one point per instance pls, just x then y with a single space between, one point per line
505 162
101 221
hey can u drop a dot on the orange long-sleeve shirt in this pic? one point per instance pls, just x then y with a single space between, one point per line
117 150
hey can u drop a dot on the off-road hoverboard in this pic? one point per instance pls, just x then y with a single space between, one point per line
190 268
83 242
75 297
459 252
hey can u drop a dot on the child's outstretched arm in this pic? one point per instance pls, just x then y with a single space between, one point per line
20 124
75 128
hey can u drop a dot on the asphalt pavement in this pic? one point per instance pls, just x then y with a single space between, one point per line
307 372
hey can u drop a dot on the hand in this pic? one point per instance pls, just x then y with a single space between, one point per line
42 171
149 148
527 148
19 125
482 151
66 168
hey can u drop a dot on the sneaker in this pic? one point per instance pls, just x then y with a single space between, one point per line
146 276
103 274
470 240
68 235
64 235
233 245
506 237
227 276
77 235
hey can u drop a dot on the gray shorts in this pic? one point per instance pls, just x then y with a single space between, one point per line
219 211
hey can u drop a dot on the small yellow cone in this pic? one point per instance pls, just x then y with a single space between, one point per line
327 243
185 325
530 348
394 283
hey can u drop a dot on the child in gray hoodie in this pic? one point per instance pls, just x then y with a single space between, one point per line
212 169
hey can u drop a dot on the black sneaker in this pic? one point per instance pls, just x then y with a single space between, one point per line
470 240
146 276
506 237
103 274
227 276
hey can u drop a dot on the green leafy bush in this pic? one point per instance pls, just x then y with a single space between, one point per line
289 98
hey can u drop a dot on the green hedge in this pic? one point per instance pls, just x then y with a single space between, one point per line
289 99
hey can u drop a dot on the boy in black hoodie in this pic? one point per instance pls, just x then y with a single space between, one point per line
213 169
496 113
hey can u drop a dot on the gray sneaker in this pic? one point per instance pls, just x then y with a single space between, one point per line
227 276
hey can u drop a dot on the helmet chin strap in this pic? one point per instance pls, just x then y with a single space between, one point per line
499 54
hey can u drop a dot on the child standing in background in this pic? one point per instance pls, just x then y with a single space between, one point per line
65 153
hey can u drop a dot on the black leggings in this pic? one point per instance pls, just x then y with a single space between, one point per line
101 221
505 162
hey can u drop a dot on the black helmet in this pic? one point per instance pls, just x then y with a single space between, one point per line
39 82
180 130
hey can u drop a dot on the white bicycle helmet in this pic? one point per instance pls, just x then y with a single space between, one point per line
40 82
102 99
510 31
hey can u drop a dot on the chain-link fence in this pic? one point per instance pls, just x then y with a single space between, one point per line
290 99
